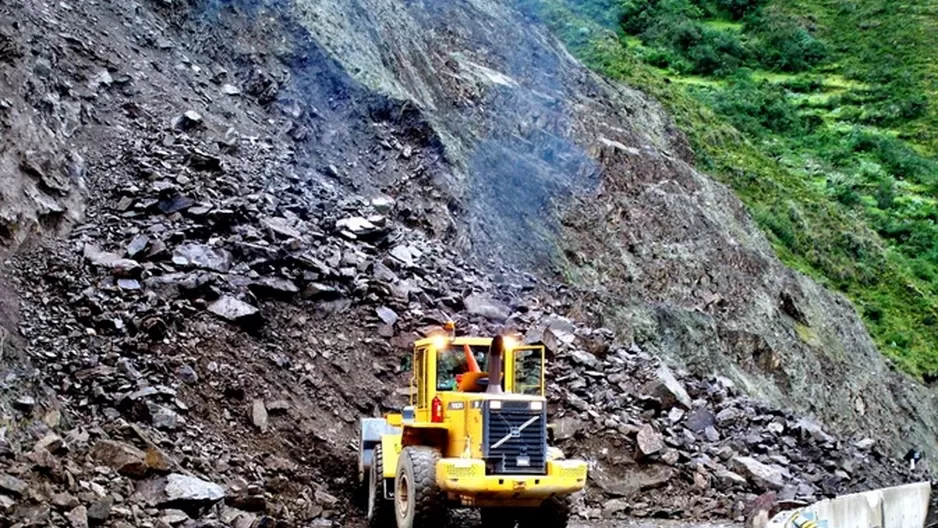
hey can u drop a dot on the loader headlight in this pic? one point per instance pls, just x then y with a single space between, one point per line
495 405
440 341
537 406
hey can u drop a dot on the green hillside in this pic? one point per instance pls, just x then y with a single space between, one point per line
819 113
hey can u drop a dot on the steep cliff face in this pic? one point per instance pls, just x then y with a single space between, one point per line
41 172
545 162
509 106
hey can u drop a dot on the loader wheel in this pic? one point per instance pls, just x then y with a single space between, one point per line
552 513
419 502
380 510
499 517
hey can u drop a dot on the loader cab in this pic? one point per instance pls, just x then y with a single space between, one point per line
442 364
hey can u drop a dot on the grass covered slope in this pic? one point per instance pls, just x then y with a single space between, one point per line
820 114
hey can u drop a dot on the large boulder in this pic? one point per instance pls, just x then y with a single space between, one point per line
184 492
762 475
667 389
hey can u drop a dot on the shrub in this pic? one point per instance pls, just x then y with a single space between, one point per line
758 108
782 44
737 9
804 84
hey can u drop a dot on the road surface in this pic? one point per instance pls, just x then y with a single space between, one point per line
650 523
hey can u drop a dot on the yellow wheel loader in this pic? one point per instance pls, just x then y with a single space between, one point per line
474 435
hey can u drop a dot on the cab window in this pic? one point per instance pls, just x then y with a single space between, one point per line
420 373
451 363
529 371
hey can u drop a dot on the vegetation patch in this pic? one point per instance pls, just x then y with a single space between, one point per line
826 132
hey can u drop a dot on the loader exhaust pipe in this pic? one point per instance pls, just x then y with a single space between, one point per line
495 359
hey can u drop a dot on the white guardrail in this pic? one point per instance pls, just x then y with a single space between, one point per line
898 507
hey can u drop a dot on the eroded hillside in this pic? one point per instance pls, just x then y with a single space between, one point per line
600 176
238 215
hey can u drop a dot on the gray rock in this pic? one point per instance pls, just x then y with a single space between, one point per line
479 304
163 418
64 501
149 392
280 226
711 434
24 403
566 427
649 441
175 203
31 515
864 444
675 415
187 374
325 499
729 478
100 510
181 491
137 246
12 485
585 358
187 121
382 204
259 415
728 416
775 428
357 226
405 254
805 490
274 287
762 475
316 290
123 458
111 261
128 284
700 419
613 507
670 456
52 443
234 310
173 517
387 315
6 450
642 478
78 517
230 89
811 429
202 256
277 406
726 453
667 389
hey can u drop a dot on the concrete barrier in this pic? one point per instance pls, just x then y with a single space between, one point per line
898 507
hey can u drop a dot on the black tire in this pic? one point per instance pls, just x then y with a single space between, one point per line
418 501
552 513
499 517
380 512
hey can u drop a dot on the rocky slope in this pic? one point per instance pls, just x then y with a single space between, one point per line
548 161
265 227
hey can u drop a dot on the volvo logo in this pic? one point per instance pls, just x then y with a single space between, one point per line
516 432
